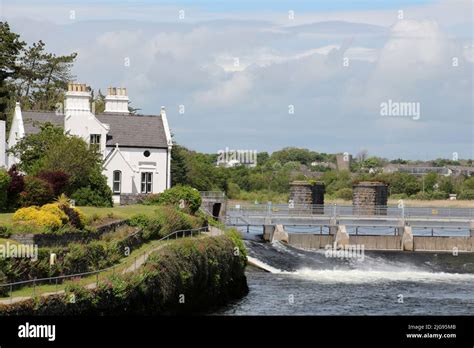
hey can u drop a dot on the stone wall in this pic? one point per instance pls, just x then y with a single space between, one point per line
51 239
370 198
132 198
307 193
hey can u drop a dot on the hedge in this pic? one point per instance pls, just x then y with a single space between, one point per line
80 257
185 276
4 184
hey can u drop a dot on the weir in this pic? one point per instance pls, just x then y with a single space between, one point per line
408 230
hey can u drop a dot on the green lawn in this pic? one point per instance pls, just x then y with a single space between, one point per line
125 211
6 219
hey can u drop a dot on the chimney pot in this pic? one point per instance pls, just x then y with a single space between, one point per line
116 100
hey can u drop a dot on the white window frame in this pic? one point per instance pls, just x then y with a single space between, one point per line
146 182
119 181
97 140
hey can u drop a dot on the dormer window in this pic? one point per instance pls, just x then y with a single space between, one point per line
95 141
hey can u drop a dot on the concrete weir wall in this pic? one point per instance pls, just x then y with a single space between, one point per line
447 244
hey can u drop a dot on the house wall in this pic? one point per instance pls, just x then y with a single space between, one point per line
83 124
3 143
17 131
132 162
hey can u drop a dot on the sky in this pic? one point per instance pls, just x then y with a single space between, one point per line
263 75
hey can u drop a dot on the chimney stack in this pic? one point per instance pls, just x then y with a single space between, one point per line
77 98
116 100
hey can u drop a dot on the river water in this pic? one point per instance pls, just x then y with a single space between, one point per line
381 283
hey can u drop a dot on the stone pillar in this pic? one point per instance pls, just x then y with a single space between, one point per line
304 194
370 198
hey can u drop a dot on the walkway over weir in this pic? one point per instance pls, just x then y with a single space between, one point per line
387 219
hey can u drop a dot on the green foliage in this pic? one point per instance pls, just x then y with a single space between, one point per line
467 194
86 196
51 151
344 193
4 185
439 195
32 148
205 270
5 232
10 48
181 194
36 192
179 170
42 78
233 191
404 183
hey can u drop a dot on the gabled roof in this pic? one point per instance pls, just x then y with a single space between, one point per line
134 130
30 117
126 130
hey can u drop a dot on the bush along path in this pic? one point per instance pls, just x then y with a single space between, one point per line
132 263
186 275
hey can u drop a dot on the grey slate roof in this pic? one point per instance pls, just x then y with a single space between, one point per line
30 117
126 130
134 131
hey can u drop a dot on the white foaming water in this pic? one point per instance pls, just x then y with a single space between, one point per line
357 276
263 265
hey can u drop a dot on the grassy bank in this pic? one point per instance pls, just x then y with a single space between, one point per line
185 276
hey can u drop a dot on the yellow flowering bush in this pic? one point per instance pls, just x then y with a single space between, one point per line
54 209
38 217
25 214
51 215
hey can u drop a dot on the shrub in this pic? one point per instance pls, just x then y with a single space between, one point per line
3 289
86 196
54 209
344 193
180 193
36 192
75 216
17 185
466 194
233 190
35 216
399 196
422 195
58 180
439 195
52 216
5 232
4 184
152 199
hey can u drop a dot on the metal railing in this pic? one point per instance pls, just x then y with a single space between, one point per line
212 194
60 279
335 210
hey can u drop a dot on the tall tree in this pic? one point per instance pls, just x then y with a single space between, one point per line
10 48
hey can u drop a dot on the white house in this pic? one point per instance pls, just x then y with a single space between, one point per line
136 148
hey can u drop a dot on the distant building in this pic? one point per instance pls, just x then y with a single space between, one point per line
416 169
343 161
461 170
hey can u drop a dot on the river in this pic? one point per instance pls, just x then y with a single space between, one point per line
382 283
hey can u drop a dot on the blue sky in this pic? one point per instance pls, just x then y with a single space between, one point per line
238 67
